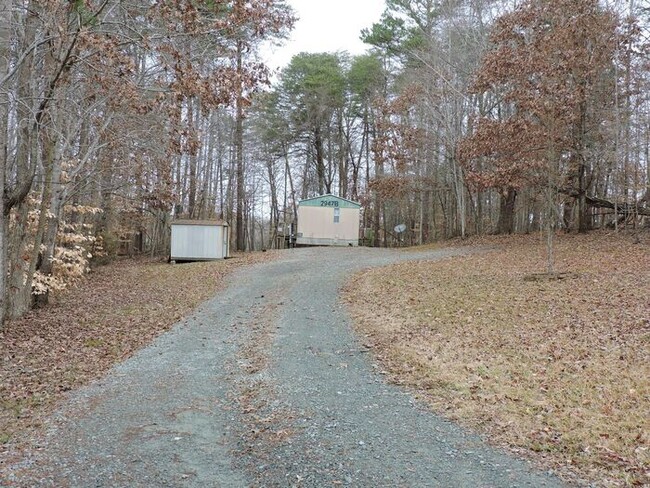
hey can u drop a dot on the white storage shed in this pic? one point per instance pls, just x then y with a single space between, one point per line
328 220
199 240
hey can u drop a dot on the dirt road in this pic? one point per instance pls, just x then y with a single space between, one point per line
264 385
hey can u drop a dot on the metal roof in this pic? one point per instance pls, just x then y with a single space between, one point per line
206 222
332 196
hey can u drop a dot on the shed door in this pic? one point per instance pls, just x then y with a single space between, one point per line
196 242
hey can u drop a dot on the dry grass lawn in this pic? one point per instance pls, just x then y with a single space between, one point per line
559 369
117 310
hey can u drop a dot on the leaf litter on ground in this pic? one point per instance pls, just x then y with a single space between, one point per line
117 310
558 368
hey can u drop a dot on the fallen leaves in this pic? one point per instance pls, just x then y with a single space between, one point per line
119 309
558 366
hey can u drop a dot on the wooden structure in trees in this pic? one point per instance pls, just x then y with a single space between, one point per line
199 240
328 220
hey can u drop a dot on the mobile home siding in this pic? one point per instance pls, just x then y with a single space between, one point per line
317 222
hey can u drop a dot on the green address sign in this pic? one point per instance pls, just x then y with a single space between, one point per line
329 201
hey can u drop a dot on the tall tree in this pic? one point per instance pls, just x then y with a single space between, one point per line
5 38
551 64
255 21
366 80
313 90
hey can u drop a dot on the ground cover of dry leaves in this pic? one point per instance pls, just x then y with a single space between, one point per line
555 368
117 310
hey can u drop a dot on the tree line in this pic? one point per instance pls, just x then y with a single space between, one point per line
463 117
110 110
470 117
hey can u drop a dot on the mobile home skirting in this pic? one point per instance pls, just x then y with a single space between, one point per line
315 241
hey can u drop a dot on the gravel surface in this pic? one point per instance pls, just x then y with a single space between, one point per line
264 385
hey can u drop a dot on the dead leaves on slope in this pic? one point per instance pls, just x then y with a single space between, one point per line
558 367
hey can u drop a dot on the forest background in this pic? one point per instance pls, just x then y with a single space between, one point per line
464 117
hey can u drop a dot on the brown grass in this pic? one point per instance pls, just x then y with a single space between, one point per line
119 309
558 368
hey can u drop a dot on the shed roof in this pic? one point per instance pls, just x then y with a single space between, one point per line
314 200
205 222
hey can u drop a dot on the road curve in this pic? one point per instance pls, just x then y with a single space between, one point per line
265 385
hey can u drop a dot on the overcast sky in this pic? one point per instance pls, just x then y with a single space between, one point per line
326 26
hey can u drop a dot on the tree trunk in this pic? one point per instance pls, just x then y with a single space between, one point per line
357 167
343 158
23 301
18 246
507 212
49 238
584 221
320 159
5 36
192 159
25 109
239 151
275 205
376 220
459 190
294 206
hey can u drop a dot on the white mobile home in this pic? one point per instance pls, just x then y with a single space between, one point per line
328 220
199 240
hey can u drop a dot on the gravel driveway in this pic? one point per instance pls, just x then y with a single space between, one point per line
264 385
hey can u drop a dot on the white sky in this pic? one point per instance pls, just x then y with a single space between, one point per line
326 26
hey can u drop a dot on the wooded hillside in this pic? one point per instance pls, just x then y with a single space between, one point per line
463 117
